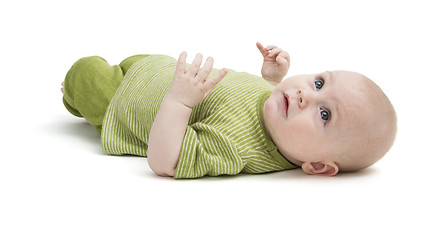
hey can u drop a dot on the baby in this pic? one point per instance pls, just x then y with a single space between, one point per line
193 121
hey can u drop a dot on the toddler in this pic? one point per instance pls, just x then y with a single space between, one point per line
192 120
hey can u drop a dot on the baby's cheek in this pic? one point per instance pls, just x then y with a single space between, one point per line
270 109
303 132
301 124
269 106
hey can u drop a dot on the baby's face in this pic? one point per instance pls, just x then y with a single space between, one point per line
311 117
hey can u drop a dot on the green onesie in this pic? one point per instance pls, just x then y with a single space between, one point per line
225 133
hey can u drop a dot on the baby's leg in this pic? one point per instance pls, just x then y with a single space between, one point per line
90 85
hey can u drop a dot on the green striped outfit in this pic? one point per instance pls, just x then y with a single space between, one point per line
225 133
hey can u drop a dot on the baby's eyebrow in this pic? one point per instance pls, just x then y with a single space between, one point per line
336 113
329 74
337 110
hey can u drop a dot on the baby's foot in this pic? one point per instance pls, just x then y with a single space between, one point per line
62 88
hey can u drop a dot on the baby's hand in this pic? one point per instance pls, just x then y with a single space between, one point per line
190 87
276 62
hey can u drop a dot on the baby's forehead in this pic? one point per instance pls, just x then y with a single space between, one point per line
357 97
341 76
353 85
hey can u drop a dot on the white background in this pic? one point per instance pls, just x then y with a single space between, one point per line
56 182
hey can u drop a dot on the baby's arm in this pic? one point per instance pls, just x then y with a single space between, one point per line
276 63
188 88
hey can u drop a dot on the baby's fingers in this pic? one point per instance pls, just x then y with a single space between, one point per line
206 70
263 50
274 52
181 64
195 66
283 57
270 47
212 82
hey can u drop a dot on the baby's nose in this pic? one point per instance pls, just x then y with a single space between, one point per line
301 101
306 98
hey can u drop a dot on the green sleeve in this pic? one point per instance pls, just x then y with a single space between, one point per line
207 151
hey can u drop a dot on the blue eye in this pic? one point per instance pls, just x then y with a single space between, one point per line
319 84
325 115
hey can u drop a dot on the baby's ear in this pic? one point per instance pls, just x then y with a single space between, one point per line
323 168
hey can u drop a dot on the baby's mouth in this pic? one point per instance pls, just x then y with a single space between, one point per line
286 103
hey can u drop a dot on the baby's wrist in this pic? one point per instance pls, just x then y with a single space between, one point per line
174 101
273 79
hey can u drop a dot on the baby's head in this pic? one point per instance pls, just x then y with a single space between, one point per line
330 122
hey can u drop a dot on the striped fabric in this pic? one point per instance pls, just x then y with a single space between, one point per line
225 134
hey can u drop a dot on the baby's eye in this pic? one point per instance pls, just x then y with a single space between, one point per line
325 115
319 84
